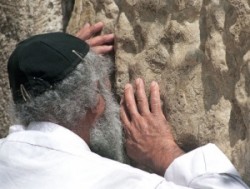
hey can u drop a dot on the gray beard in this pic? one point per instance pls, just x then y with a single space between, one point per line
106 135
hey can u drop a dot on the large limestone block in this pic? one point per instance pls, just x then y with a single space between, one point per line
92 11
19 20
199 52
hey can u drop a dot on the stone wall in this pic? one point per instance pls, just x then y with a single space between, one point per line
19 20
198 50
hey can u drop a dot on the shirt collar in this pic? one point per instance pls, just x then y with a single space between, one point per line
49 135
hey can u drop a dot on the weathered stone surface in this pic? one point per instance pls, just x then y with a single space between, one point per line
18 20
199 52
92 11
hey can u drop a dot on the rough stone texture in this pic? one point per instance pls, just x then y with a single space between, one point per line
19 20
92 11
199 52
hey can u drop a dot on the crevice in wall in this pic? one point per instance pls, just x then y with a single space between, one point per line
67 8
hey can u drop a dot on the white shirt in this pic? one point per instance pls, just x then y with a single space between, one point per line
48 156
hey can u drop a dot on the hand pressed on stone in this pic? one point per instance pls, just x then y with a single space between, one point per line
149 140
99 44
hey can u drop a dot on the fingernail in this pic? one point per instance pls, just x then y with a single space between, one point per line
112 36
87 24
110 47
153 84
100 23
127 86
138 81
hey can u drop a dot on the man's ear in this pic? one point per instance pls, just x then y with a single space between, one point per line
99 108
92 115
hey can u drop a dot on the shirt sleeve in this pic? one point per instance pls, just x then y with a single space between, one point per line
204 167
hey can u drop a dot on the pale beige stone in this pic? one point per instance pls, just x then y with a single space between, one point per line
19 20
92 11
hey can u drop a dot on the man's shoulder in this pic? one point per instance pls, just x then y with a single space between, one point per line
1 140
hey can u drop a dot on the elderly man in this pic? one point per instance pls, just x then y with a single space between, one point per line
68 131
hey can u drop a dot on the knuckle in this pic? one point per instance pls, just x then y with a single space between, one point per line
128 104
90 42
155 99
155 103
134 116
140 100
105 38
145 114
128 143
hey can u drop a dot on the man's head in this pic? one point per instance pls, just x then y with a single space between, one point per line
54 77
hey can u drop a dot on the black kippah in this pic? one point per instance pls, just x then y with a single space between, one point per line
41 61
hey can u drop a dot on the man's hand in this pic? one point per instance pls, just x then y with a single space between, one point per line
149 140
100 44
